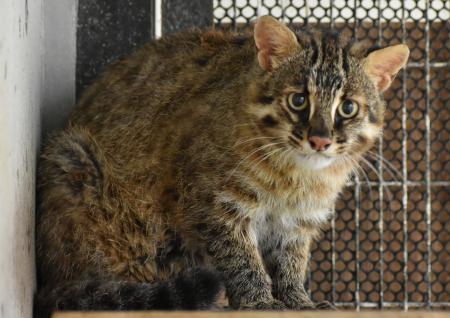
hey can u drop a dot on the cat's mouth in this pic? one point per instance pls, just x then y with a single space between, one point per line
315 161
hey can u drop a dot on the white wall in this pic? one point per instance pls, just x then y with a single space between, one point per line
32 84
21 64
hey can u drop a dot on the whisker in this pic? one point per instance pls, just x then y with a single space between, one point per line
390 167
282 157
364 173
249 155
240 141
267 156
388 192
370 165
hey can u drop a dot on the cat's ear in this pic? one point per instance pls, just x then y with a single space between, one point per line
275 42
382 65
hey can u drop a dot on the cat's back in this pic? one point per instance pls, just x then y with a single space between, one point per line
174 68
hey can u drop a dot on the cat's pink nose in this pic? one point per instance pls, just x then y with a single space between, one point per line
319 143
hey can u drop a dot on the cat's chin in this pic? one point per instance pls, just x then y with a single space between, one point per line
314 161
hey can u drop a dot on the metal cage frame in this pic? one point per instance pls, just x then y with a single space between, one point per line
394 250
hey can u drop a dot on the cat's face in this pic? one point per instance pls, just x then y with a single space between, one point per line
320 96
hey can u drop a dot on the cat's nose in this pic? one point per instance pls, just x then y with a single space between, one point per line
319 143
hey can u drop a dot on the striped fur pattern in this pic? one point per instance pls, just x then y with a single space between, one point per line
187 154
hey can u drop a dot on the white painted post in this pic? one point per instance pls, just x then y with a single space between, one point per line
37 79
21 65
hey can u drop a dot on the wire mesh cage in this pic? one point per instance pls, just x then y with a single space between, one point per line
388 245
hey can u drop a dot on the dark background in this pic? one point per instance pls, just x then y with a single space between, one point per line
110 29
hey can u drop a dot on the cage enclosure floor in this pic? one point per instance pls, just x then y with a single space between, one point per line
250 314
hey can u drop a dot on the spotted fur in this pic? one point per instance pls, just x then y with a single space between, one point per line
187 155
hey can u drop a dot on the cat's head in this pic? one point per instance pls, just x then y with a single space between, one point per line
320 94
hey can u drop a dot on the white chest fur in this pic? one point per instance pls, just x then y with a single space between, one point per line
283 214
275 228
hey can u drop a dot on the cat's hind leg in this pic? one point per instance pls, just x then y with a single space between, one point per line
87 239
71 180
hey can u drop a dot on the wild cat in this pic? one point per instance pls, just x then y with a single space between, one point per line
204 161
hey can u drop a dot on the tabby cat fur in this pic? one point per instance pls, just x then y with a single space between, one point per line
206 161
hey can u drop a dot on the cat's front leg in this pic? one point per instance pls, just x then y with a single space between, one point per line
235 254
288 268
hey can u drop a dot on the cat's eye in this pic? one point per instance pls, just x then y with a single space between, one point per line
297 101
348 109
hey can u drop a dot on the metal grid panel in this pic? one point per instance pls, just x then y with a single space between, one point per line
388 245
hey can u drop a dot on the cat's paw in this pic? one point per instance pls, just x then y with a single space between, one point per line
324 305
273 304
299 303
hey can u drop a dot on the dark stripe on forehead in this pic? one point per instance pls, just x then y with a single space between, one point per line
345 64
331 47
329 80
329 72
323 46
308 40
315 50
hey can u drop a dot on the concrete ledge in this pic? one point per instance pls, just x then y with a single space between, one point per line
250 314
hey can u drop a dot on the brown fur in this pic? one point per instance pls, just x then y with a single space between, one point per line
167 164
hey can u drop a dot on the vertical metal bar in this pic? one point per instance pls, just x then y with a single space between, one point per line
283 11
309 274
427 153
379 23
333 258
381 220
357 202
357 237
259 8
333 220
307 11
355 5
158 19
233 21
331 15
404 171
234 17
380 184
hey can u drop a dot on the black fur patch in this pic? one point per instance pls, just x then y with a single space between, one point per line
198 288
163 299
372 49
266 99
170 252
372 117
320 132
201 227
294 141
361 139
91 287
107 301
185 288
315 50
240 40
202 61
171 193
269 121
298 133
